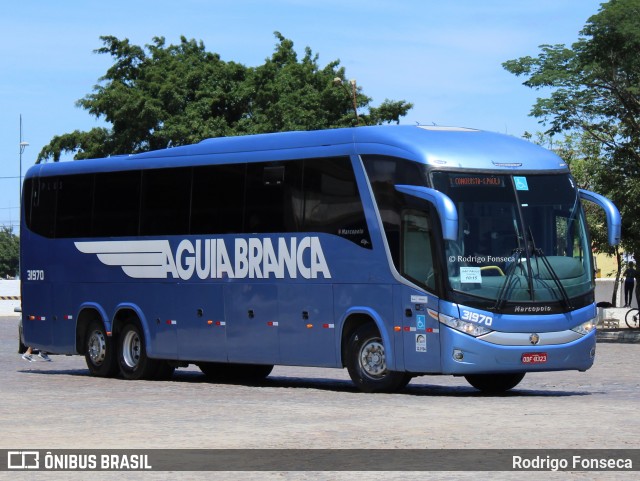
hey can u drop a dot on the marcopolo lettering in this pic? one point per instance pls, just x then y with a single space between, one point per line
532 309
253 258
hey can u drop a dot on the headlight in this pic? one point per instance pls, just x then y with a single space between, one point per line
470 328
586 327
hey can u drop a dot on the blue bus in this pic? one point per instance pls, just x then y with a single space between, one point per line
393 251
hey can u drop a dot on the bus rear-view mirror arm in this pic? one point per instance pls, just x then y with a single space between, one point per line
444 206
614 221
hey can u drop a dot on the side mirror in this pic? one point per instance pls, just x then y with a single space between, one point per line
614 221
443 204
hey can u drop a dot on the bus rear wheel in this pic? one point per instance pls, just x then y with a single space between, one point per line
132 354
99 351
367 363
494 383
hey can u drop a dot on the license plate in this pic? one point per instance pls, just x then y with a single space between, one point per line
534 358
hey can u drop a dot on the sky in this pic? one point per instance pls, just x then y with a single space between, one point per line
445 57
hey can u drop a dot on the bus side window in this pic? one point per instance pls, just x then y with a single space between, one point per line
417 251
43 205
332 202
75 202
270 200
116 209
217 199
165 201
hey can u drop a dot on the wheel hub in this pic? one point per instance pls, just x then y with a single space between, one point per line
372 359
97 347
131 348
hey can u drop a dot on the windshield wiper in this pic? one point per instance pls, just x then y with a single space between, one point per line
539 254
502 295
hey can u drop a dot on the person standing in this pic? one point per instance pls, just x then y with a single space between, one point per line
629 281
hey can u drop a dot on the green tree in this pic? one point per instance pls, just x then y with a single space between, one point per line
595 89
160 96
9 252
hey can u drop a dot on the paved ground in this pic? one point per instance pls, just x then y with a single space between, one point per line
58 405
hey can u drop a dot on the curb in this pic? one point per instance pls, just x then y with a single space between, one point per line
618 335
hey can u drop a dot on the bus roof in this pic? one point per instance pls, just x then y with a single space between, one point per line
439 147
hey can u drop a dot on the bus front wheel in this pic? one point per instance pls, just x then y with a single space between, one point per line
99 351
367 363
132 354
494 383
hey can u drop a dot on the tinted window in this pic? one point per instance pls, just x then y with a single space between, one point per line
384 174
165 201
314 195
273 197
332 202
75 199
217 198
43 197
116 204
417 249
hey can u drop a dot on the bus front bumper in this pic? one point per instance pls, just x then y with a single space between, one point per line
463 354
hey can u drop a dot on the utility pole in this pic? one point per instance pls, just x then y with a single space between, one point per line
23 145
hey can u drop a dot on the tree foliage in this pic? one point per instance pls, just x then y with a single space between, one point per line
9 252
595 89
159 96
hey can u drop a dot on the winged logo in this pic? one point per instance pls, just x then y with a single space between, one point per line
143 259
254 258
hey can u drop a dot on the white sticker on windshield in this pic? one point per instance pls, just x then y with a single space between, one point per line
470 275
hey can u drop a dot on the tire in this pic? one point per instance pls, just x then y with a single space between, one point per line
251 372
494 383
632 318
224 372
132 354
164 371
214 371
367 364
99 351
22 348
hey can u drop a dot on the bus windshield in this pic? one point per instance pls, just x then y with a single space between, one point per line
522 238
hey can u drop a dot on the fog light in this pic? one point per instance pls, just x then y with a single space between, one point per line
458 355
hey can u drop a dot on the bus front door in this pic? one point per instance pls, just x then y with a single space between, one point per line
421 333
